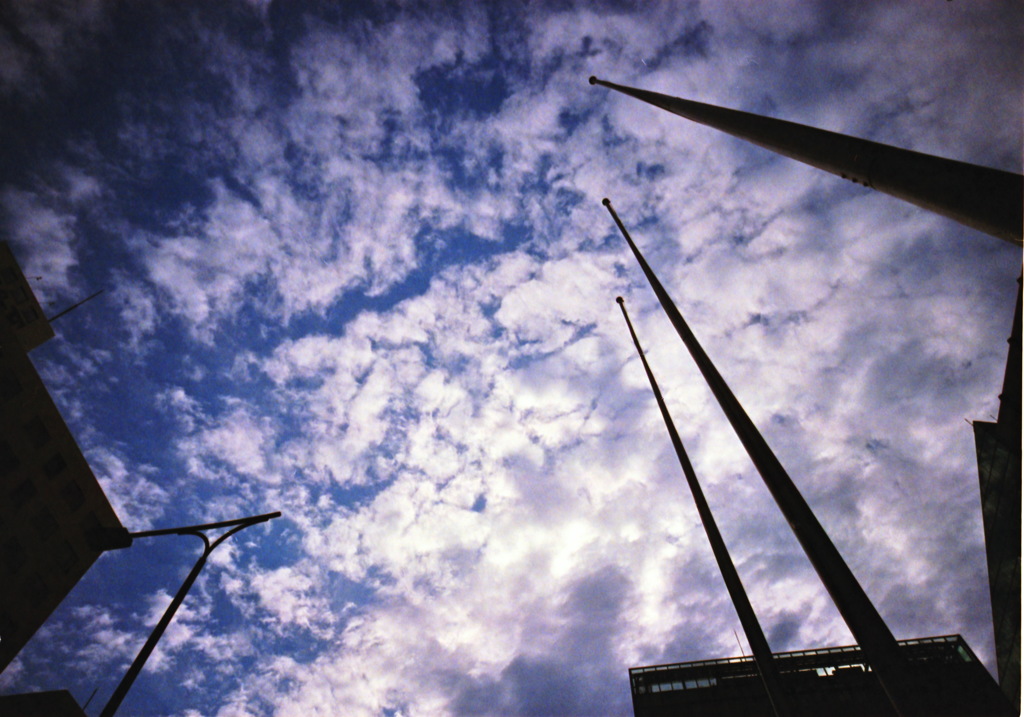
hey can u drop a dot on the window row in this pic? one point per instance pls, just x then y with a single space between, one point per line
36 435
15 555
680 685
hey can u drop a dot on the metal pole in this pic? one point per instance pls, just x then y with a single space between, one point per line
158 631
192 529
989 200
859 613
751 627
74 306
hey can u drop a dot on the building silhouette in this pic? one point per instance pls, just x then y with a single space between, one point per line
948 681
54 515
56 703
998 446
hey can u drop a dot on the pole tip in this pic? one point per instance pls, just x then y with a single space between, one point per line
593 80
620 300
606 201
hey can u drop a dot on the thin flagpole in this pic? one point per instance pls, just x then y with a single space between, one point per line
860 615
748 619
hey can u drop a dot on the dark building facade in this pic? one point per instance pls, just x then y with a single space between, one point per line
998 446
948 681
19 308
58 703
53 508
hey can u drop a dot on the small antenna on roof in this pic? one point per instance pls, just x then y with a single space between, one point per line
742 652
74 306
90 698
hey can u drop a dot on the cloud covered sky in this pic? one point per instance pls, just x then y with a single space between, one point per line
357 270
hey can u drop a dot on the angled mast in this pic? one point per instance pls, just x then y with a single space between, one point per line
986 199
74 306
860 615
748 619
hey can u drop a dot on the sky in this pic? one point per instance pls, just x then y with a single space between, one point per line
356 269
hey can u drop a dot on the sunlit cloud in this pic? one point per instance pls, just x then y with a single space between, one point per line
358 271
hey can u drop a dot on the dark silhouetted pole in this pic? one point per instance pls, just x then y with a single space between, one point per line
74 306
140 660
860 615
751 627
989 200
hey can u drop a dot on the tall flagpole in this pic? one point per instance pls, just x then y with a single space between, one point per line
867 626
986 199
758 644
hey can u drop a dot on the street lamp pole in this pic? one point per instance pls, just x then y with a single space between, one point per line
208 547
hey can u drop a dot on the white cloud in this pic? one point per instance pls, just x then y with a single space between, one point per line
46 235
480 495
44 42
136 499
290 596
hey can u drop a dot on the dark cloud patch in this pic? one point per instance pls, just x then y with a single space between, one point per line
542 687
693 42
902 606
578 676
784 633
571 118
691 640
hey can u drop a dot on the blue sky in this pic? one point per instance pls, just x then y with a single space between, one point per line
357 270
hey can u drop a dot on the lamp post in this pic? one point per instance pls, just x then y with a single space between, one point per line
154 637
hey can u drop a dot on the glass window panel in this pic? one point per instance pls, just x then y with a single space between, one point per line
54 465
37 433
23 493
10 386
35 588
14 555
8 460
72 495
66 556
44 524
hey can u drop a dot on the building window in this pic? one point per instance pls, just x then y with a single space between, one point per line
10 386
54 465
37 433
89 525
8 460
65 556
72 495
14 555
23 493
14 318
8 628
44 524
35 588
